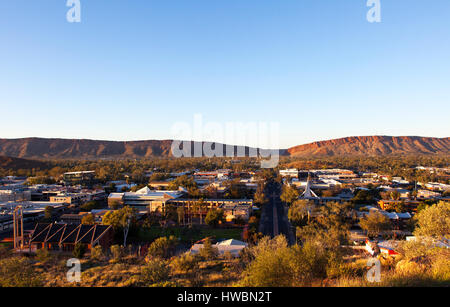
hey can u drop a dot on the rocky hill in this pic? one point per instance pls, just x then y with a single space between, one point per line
374 146
40 148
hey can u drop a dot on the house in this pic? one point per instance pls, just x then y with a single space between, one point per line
231 246
410 205
389 248
427 194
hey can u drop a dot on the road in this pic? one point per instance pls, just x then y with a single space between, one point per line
274 220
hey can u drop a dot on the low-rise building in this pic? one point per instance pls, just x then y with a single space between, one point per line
83 178
64 237
145 199
410 205
232 246
293 172
232 208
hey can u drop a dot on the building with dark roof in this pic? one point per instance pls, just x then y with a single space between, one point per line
63 237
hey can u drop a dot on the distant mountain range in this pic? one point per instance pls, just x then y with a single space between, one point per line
41 148
374 146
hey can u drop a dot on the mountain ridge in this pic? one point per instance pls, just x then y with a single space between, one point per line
58 148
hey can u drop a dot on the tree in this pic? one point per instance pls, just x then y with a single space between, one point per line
289 194
299 210
121 220
275 264
89 206
329 229
88 219
364 197
374 223
215 217
269 269
181 215
400 207
260 197
395 195
182 181
199 206
208 252
434 221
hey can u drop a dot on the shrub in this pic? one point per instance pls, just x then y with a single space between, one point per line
79 250
97 253
185 263
18 272
162 248
43 255
116 252
156 271
4 251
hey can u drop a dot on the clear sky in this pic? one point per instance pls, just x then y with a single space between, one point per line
133 68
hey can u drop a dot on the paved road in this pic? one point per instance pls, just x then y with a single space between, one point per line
274 220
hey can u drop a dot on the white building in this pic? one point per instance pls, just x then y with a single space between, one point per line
231 246
293 172
145 198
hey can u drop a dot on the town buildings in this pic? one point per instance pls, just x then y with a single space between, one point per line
83 178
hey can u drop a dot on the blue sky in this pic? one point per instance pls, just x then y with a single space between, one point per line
131 69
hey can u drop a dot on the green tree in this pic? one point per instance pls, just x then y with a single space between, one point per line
434 221
89 206
300 210
208 252
275 264
289 194
395 195
214 217
183 181
121 220
88 219
374 223
364 197
329 228
260 197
